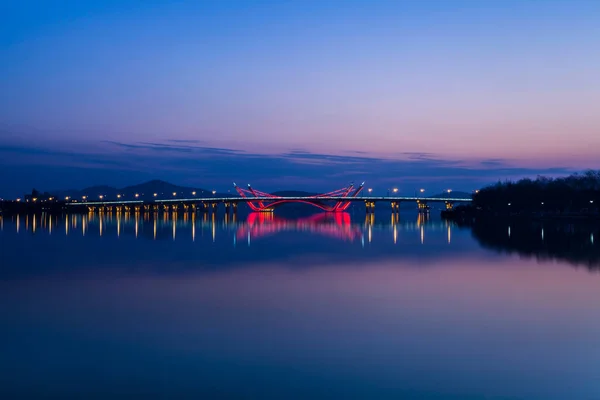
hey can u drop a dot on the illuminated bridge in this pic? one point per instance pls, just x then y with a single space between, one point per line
258 201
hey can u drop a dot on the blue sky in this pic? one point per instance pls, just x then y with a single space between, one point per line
404 93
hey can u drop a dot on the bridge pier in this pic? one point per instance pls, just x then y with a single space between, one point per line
370 207
395 206
422 206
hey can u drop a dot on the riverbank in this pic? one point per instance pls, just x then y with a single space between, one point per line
469 213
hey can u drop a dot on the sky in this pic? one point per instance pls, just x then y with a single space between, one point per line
297 94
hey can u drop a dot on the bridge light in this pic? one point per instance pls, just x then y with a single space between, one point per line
421 190
118 196
395 190
369 190
193 193
137 195
155 194
174 193
449 190
215 192
84 197
101 197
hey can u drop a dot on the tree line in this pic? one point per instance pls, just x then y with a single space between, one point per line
572 194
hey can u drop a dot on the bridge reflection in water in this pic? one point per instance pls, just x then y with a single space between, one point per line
231 227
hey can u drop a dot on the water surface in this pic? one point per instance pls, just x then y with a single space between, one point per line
313 306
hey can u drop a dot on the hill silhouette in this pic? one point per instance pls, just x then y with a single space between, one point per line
144 190
454 194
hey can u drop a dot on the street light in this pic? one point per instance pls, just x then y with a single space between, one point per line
214 192
84 197
67 198
101 197
395 190
449 190
174 193
155 194
421 190
118 196
193 193
137 195
369 190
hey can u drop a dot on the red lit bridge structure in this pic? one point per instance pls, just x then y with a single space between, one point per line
258 201
268 201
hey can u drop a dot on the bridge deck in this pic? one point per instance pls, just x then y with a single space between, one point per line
278 198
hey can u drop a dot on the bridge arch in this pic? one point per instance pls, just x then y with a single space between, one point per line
318 200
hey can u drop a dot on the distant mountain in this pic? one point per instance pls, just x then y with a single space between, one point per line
143 191
294 193
454 195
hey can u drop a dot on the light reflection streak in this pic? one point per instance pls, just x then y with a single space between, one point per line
338 226
174 224
214 230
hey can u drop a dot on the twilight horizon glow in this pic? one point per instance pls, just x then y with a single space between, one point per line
416 93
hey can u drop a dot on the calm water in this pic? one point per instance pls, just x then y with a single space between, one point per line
312 306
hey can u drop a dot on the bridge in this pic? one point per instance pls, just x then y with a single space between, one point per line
258 201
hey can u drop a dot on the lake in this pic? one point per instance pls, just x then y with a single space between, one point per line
298 306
